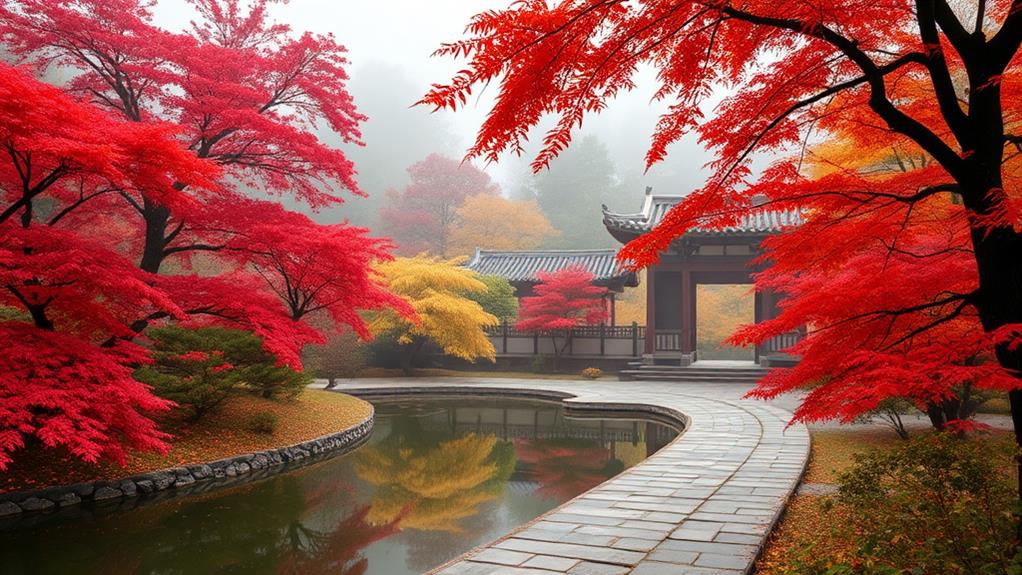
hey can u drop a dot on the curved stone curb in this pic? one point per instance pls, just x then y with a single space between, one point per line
705 504
16 506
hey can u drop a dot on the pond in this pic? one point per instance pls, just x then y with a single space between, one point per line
438 477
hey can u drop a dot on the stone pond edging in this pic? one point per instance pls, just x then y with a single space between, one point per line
228 471
703 505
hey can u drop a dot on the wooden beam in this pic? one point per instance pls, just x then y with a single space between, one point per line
650 309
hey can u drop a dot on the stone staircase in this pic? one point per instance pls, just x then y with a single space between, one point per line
695 373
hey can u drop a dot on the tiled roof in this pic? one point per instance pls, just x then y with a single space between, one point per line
521 267
757 222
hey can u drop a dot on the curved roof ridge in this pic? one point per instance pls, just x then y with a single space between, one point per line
521 266
755 221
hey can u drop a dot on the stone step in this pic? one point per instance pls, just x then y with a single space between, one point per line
703 372
649 375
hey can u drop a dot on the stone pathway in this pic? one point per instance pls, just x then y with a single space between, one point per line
703 505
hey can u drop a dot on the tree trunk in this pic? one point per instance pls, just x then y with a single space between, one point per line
557 353
408 361
1015 399
156 218
999 301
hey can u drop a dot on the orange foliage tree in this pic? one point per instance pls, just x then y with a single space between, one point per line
493 222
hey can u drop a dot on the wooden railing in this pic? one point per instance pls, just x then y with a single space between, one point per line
781 342
667 340
623 340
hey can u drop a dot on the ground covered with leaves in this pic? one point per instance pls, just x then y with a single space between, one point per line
811 526
224 433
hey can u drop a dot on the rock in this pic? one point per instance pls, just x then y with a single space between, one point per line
128 488
219 472
104 493
68 499
231 471
8 508
83 489
184 479
201 471
244 468
36 504
145 486
162 481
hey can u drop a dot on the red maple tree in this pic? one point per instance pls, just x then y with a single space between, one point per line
565 299
116 185
74 388
907 292
421 217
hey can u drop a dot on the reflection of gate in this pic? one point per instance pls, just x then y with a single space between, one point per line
668 340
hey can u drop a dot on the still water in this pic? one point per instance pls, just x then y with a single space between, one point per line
437 478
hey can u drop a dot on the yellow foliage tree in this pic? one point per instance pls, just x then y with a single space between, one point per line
437 290
496 223
433 489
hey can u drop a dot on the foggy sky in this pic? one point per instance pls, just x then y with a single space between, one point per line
403 34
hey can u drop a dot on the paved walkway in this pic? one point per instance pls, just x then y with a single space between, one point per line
703 505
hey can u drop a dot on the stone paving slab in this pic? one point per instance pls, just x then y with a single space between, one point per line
703 505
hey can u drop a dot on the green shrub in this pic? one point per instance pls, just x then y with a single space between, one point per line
253 367
499 298
937 504
198 381
263 422
592 373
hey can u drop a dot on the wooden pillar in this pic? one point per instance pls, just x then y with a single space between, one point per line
504 332
688 309
650 310
613 309
757 316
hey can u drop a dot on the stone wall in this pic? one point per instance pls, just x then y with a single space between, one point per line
20 505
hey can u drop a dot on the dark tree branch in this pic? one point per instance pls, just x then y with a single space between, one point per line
940 74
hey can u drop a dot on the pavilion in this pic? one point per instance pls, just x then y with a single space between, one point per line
701 256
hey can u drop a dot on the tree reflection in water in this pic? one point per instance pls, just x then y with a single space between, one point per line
439 477
432 477
563 468
285 526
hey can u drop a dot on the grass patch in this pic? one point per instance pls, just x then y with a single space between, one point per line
224 433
